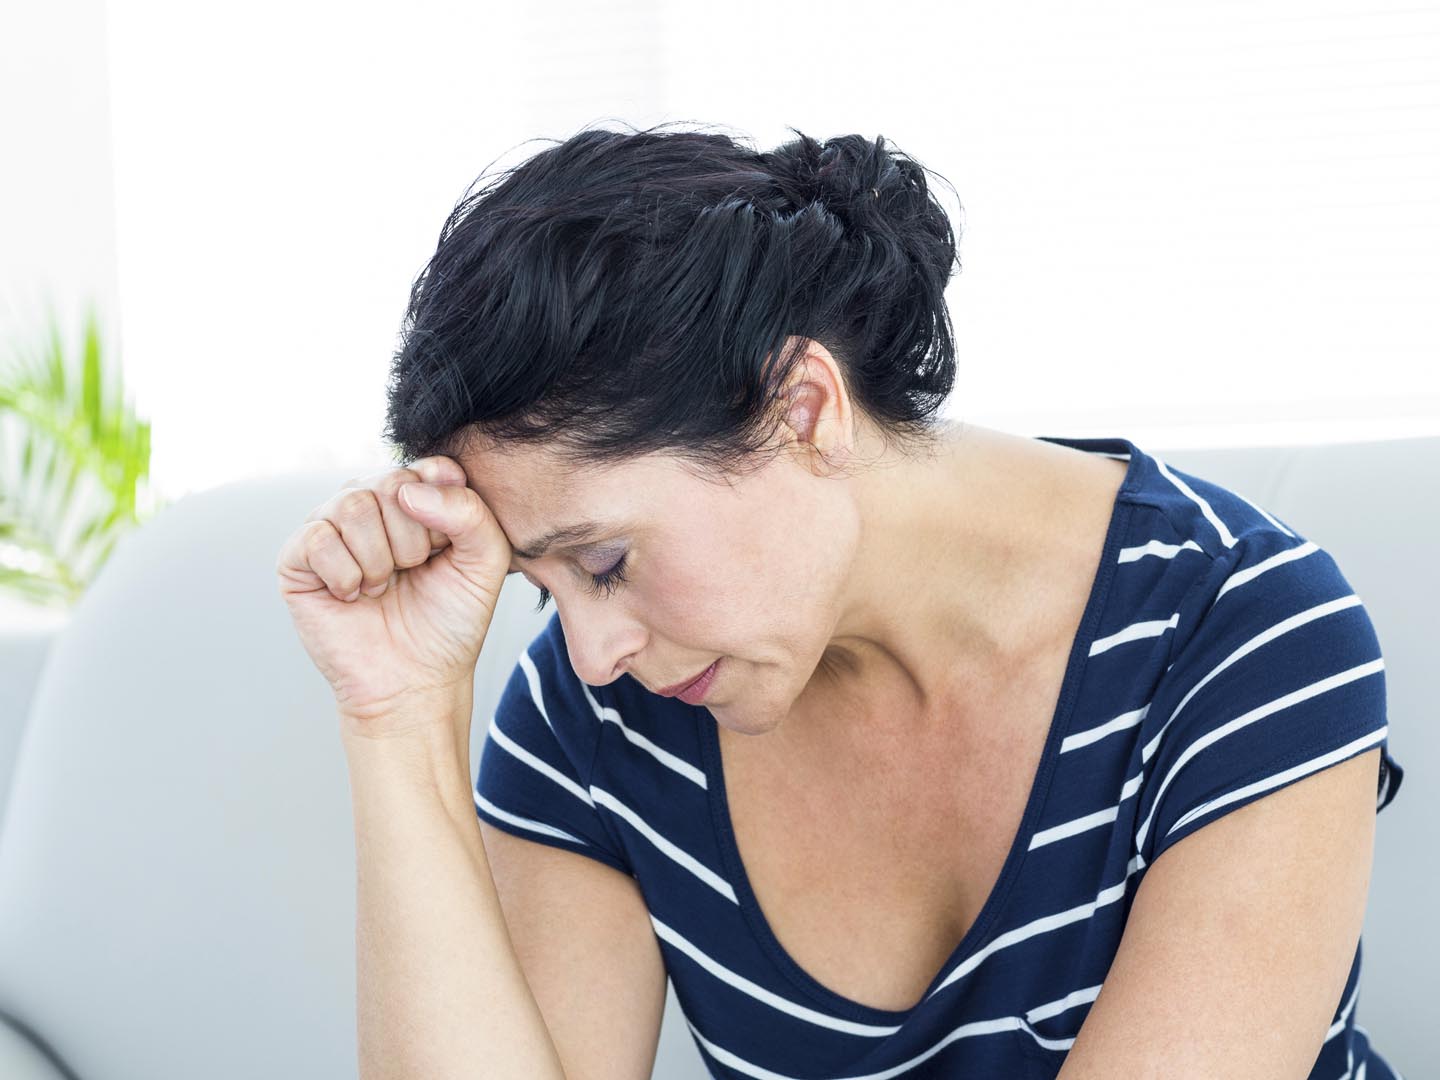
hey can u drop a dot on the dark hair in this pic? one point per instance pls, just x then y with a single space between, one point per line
622 293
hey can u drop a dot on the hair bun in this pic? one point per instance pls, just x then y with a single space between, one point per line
851 176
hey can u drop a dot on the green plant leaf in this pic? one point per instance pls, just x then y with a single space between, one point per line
82 457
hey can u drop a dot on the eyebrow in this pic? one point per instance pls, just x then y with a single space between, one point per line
566 536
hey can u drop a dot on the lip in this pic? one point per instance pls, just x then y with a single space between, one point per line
675 691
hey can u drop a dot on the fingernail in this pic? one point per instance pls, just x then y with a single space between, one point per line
422 497
352 596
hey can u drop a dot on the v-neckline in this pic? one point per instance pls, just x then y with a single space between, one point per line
1039 787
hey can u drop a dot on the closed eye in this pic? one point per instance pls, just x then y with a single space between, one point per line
601 585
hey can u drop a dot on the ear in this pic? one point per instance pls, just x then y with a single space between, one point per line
817 405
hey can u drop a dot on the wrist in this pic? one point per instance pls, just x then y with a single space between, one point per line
430 753
408 716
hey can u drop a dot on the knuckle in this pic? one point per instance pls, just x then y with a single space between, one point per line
355 503
391 481
413 557
378 480
438 468
319 532
321 547
378 571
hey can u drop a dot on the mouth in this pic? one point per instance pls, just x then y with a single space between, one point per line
692 690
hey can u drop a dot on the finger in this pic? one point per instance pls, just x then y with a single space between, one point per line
436 469
481 549
356 516
411 542
325 555
439 469
403 529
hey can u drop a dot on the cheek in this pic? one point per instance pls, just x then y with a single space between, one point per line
744 600
697 595
709 599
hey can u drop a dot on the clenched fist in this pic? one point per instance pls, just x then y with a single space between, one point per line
392 583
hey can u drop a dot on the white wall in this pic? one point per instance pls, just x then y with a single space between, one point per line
57 220
57 213
1190 224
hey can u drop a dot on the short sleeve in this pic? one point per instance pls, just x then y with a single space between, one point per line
1277 675
535 765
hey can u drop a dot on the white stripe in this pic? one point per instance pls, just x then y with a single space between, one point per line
1081 824
1236 579
532 676
1280 558
1043 925
519 752
1304 693
1134 632
659 753
1054 1008
1123 722
1012 1023
760 993
1157 547
1267 635
983 1027
1032 1016
1067 829
978 1028
1338 1024
525 822
679 856
1205 508
1265 784
1048 1044
725 1057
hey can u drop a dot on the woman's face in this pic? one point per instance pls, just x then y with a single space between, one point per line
750 572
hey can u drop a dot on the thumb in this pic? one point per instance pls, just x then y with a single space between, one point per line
478 548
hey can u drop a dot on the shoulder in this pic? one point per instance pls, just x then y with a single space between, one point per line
1267 607
1275 670
1241 563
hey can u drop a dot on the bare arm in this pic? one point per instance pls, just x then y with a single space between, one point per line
441 993
601 981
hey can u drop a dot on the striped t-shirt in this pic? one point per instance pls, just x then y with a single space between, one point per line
1221 657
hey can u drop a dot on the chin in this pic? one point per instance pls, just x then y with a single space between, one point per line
743 720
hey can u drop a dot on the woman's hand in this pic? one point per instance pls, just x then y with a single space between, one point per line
392 601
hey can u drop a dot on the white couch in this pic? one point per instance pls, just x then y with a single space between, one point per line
176 856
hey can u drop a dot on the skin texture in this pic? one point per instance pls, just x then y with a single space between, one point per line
792 573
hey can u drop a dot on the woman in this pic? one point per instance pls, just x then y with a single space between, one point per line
881 720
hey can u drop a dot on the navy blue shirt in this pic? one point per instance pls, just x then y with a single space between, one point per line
1221 657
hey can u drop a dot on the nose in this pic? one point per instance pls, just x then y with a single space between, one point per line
601 647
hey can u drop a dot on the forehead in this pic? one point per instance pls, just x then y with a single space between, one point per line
532 484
